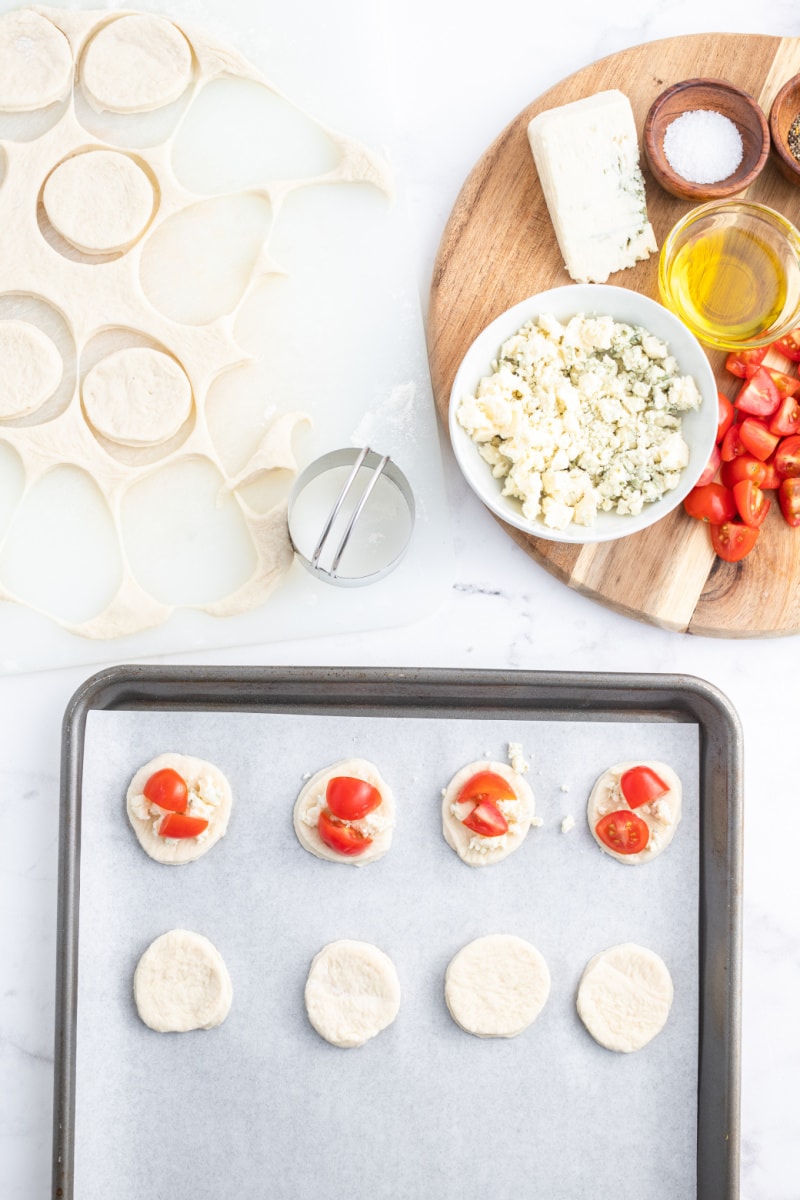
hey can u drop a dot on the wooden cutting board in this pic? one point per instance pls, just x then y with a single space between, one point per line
499 247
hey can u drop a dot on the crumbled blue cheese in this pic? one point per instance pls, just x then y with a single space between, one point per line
582 417
517 759
567 823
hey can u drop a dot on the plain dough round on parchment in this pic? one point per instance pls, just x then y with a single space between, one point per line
662 817
210 797
378 824
137 397
352 992
181 983
625 996
100 201
496 986
136 63
35 61
473 849
30 369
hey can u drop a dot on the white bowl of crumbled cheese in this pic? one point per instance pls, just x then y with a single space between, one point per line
584 413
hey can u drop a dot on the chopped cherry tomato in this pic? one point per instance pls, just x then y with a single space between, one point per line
168 790
732 445
751 502
789 500
745 363
726 415
712 502
772 479
790 345
786 418
759 396
733 540
342 838
623 832
351 799
639 785
787 456
710 469
181 825
787 385
744 467
486 785
486 819
754 434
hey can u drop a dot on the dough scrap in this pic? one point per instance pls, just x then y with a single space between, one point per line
100 201
137 397
625 996
209 796
606 797
352 993
496 986
378 824
181 983
30 369
136 63
472 848
35 61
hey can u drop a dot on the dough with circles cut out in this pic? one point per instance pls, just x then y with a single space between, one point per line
30 369
496 986
625 996
181 983
471 847
100 201
379 824
136 63
352 993
137 397
35 62
662 817
209 796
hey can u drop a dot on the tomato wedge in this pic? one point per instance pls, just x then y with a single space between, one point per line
789 500
351 799
786 418
743 467
181 825
623 832
168 790
787 385
710 469
711 502
759 396
745 363
790 345
755 436
787 456
486 785
732 445
733 540
486 819
640 785
342 838
726 415
751 502
771 480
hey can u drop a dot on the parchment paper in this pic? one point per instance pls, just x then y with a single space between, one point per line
262 1106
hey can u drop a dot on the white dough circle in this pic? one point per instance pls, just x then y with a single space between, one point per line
378 824
35 61
100 201
624 997
136 63
496 986
137 397
473 848
209 797
661 817
181 983
30 369
352 992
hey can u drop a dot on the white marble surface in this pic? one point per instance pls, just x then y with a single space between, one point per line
459 72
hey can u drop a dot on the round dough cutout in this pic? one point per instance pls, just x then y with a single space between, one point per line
30 369
496 986
472 848
625 996
209 796
181 983
352 993
136 63
35 62
100 201
662 817
137 397
379 824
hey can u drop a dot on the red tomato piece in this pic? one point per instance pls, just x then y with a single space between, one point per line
350 799
710 469
789 500
726 415
712 502
342 838
787 456
790 345
786 418
771 480
745 363
732 445
486 819
640 785
754 434
733 540
623 832
168 790
744 467
787 385
759 396
181 825
486 785
751 502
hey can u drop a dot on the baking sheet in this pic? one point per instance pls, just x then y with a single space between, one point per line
262 1103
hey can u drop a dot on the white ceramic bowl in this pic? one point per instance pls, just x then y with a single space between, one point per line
592 299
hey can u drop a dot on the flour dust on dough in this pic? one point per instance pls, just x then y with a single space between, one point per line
35 62
136 63
661 817
379 824
496 986
181 983
352 993
100 201
30 369
625 996
472 848
137 397
210 797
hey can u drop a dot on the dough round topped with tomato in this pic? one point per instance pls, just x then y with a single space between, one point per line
487 808
634 809
345 813
179 807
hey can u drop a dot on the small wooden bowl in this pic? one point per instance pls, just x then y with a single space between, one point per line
715 95
785 108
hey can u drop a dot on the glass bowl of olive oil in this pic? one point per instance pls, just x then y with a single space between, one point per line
730 270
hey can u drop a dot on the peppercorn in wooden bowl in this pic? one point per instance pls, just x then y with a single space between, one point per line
784 127
705 139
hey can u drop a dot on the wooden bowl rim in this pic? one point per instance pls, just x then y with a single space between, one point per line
778 143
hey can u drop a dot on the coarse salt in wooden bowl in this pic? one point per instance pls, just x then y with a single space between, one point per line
714 96
782 115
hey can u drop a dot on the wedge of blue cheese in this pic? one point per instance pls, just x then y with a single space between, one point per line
587 157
